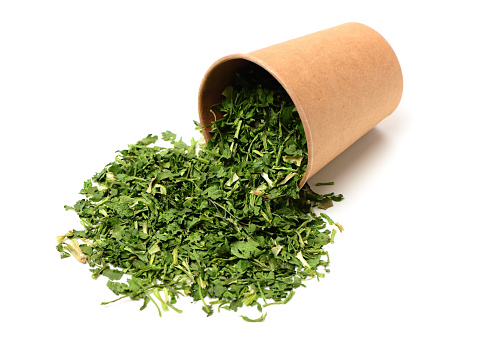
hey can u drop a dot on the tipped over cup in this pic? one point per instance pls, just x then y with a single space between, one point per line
343 81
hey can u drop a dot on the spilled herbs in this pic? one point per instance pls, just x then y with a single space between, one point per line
222 222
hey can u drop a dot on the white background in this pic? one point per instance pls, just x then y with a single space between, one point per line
82 79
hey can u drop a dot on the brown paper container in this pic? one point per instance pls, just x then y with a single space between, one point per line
343 80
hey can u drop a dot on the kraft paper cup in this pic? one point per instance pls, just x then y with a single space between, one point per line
343 81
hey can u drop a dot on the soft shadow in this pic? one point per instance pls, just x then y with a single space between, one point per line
362 157
346 163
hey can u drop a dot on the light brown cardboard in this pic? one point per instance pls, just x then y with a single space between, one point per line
343 80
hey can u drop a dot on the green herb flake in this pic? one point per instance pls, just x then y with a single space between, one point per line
223 222
259 319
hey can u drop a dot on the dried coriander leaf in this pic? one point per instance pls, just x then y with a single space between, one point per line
260 319
113 275
245 249
225 224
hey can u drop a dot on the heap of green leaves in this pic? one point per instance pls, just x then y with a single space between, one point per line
223 222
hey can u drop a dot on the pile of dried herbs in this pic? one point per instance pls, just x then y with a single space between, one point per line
224 222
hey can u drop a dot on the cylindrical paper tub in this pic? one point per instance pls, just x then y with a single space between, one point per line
343 81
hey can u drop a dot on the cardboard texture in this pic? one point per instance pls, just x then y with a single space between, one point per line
343 80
